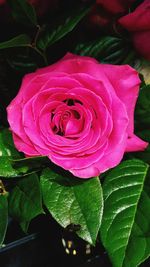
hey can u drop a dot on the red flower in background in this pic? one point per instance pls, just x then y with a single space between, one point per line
138 24
106 11
107 14
42 6
115 6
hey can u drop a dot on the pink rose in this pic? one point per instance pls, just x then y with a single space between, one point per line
138 23
77 112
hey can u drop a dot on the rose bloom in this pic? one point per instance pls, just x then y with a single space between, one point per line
138 24
77 112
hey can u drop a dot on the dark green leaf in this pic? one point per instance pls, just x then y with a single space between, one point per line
25 201
108 49
6 169
12 163
122 190
22 63
21 40
143 155
144 134
74 201
10 168
142 118
49 36
7 152
138 249
3 217
31 161
30 164
25 225
7 147
23 12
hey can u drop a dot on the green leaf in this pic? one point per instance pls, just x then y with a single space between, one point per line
31 164
7 151
25 200
74 201
142 118
10 168
107 49
122 190
21 40
23 12
6 169
7 147
3 217
24 226
22 63
13 163
138 249
143 155
50 37
145 134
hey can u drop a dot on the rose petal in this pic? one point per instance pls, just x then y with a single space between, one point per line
134 143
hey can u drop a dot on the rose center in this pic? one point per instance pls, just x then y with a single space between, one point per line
67 121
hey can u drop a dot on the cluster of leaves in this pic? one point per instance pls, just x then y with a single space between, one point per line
113 210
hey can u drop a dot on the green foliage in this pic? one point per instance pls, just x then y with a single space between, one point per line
31 163
51 36
7 147
13 163
74 201
25 200
122 190
123 224
22 63
21 40
7 150
138 249
142 118
107 49
4 217
23 12
6 169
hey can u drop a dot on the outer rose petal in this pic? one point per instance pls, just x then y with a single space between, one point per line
104 163
126 86
15 120
71 64
25 147
135 144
